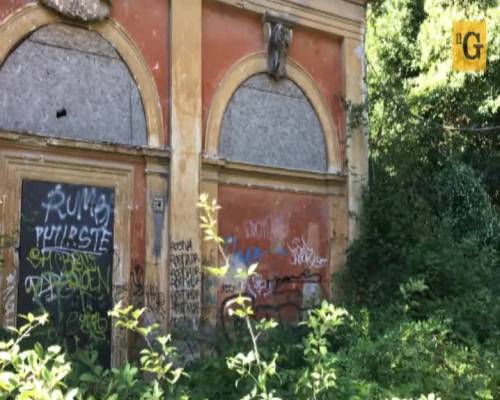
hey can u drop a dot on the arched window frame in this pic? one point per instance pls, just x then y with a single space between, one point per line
33 16
257 63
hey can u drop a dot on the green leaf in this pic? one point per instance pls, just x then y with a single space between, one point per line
8 381
89 378
217 272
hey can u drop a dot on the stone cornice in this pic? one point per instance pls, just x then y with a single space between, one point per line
344 18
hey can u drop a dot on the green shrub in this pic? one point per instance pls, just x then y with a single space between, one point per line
35 373
410 358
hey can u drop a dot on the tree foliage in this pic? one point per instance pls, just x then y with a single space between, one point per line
429 247
416 101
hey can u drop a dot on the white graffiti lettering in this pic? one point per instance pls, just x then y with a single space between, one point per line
94 240
85 201
260 287
43 286
9 298
260 228
305 256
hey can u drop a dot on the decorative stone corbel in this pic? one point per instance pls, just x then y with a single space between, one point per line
278 38
81 10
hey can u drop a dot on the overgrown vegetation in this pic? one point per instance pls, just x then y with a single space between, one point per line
421 317
424 271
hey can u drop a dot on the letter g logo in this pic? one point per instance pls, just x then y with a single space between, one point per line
469 45
478 46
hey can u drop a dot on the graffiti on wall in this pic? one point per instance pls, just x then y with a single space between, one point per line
300 287
185 285
155 300
287 235
258 228
9 299
66 261
304 256
147 294
137 281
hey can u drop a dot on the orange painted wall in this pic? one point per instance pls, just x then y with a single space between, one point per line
8 6
146 21
230 34
287 234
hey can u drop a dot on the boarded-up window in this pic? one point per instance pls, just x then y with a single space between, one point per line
272 123
68 82
66 262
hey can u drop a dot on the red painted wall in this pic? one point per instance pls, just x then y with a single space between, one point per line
8 6
287 234
147 23
230 34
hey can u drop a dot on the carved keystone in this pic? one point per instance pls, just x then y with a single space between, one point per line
82 10
278 37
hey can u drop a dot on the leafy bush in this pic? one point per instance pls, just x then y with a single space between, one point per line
421 281
414 357
35 373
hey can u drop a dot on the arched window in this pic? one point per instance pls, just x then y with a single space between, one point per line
69 82
272 123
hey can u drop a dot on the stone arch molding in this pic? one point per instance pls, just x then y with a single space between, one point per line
29 18
257 63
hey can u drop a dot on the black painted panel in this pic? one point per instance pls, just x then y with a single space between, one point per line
66 261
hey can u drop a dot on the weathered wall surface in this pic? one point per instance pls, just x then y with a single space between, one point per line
185 257
287 234
293 220
147 22
8 6
230 34
70 83
297 238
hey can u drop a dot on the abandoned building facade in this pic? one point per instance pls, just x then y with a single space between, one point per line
116 116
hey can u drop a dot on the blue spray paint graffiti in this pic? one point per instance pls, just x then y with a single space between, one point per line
250 255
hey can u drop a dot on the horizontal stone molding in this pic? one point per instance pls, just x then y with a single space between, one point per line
265 177
40 142
344 18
